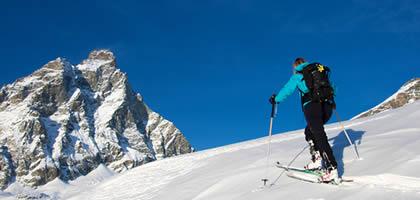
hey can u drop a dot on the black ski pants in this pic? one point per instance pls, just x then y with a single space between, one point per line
316 115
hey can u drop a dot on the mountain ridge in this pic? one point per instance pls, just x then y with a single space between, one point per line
408 93
64 121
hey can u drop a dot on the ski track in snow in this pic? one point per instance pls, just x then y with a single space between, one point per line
390 181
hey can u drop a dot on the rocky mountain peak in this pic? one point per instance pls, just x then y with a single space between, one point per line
63 121
98 59
408 93
58 64
103 54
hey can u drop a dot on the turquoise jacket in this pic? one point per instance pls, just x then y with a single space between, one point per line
296 81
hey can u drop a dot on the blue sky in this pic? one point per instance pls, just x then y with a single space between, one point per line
210 66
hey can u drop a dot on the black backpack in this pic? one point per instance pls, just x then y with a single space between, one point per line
316 77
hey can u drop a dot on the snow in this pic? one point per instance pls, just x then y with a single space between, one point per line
403 89
111 103
56 188
92 64
388 144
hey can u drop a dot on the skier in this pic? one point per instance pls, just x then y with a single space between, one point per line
316 115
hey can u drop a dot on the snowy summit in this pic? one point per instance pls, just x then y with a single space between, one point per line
61 122
97 59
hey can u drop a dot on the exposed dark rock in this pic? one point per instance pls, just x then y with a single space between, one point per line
408 93
67 120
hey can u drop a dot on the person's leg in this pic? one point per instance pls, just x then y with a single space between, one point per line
310 139
316 161
315 117
327 112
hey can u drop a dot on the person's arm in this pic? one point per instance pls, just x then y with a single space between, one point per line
287 90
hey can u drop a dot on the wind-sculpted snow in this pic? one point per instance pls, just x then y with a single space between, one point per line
64 121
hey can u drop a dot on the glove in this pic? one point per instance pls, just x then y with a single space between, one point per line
271 100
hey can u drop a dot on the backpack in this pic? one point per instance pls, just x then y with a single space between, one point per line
316 77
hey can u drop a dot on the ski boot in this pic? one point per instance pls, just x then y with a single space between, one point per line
315 164
331 176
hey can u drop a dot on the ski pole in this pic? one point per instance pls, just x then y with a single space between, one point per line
347 135
269 143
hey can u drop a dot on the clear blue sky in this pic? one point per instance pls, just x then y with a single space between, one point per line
210 66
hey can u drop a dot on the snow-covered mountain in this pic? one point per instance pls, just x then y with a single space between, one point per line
408 93
388 144
64 121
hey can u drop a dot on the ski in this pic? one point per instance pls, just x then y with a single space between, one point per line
289 168
306 175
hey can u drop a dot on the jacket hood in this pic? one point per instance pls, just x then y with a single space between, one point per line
301 66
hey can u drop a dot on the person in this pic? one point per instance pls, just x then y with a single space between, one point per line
316 115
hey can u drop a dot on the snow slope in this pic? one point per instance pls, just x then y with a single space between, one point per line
388 143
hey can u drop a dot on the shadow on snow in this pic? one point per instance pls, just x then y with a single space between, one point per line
340 142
